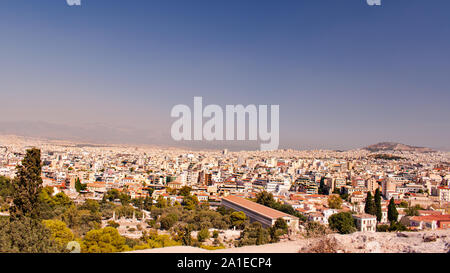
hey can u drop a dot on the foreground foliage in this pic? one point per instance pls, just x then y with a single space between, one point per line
342 222
26 235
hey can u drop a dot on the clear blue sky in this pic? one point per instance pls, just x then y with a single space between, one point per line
344 74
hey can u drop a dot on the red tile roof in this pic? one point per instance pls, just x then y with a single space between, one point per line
258 208
445 217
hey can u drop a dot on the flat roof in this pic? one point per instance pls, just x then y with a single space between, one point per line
257 208
364 215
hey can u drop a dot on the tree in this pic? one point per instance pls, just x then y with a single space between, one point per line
342 222
54 201
111 195
315 229
190 202
279 228
265 198
280 223
148 202
254 234
91 205
185 191
334 202
238 219
413 211
345 196
203 234
81 221
153 240
161 202
115 194
138 202
60 232
185 236
79 186
215 234
105 240
6 191
168 221
322 188
392 211
149 191
382 228
370 205
224 211
170 179
396 226
26 235
27 186
378 211
6 187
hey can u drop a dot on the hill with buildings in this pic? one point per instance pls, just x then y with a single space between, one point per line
393 146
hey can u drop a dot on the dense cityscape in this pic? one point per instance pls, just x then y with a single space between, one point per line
151 197
218 136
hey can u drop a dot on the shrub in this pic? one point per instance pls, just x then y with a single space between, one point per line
203 235
396 226
105 240
255 234
215 234
60 232
168 221
342 222
315 229
382 228
212 247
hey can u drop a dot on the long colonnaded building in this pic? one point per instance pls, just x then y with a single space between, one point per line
259 213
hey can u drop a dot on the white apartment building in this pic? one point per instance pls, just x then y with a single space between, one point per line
366 222
444 193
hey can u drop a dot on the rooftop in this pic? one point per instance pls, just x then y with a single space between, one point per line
258 208
364 215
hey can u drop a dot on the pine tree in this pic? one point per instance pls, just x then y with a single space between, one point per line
322 186
378 212
78 185
392 211
27 186
370 205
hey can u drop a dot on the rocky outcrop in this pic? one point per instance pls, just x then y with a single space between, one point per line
380 242
358 242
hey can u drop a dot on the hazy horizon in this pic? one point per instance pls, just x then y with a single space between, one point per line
345 74
65 133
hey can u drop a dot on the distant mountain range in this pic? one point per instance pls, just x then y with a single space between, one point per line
95 133
101 134
393 146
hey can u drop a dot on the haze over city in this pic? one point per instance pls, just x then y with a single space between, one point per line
345 74
225 126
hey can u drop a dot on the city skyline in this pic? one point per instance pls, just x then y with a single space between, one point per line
345 74
246 127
